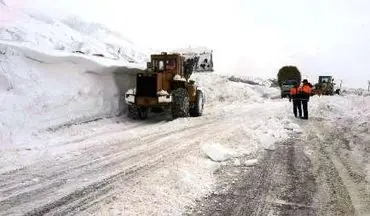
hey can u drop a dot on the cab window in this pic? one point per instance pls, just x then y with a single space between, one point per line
161 65
170 64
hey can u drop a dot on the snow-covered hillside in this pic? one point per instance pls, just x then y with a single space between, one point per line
69 35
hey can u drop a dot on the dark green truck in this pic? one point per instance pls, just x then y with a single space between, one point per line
287 77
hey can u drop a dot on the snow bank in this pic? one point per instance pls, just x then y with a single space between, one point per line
219 89
40 91
357 92
332 107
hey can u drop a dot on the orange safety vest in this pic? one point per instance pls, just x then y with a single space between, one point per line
294 91
306 89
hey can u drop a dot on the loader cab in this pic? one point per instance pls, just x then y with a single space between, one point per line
325 79
166 63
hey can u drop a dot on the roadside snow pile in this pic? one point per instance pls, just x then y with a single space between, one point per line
40 91
358 92
217 152
260 126
250 80
219 88
331 107
68 35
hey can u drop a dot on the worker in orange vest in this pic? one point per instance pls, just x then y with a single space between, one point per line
306 93
295 94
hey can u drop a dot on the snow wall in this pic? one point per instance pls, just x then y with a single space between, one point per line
41 91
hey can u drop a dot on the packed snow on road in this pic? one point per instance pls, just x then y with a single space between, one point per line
67 146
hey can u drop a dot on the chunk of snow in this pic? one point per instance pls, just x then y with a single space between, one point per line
130 99
294 127
267 141
131 91
237 162
163 93
217 152
252 162
178 78
165 99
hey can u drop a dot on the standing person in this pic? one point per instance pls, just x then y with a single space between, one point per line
306 93
295 94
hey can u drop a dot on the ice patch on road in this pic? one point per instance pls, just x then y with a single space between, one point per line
217 152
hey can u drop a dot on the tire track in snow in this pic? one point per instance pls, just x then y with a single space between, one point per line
280 184
80 200
53 184
350 194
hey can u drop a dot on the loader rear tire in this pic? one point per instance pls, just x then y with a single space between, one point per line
180 103
135 112
197 110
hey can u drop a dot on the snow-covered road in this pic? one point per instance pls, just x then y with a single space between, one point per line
93 167
160 167
64 150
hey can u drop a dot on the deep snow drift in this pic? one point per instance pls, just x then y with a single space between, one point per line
39 91
59 71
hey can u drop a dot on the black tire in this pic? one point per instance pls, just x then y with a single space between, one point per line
143 113
157 109
197 110
135 112
180 103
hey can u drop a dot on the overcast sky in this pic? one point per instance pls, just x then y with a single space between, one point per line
328 37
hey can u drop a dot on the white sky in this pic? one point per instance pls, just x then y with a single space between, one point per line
250 37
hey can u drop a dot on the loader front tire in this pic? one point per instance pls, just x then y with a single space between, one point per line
197 110
180 103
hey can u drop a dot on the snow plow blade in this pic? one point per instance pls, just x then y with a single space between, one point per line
203 58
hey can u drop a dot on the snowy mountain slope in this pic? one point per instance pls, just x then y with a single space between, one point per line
69 35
